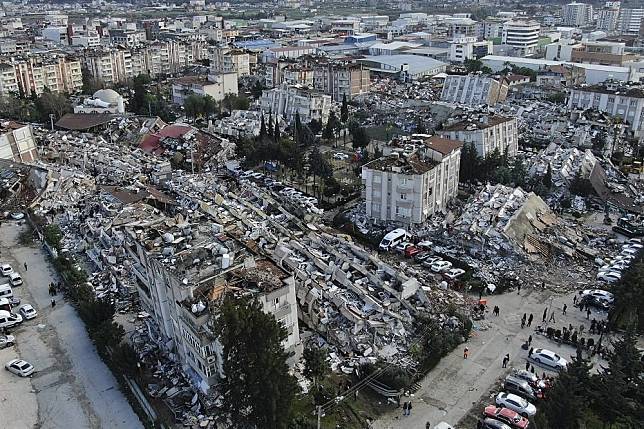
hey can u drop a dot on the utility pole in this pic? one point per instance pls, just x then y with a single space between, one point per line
319 408
51 119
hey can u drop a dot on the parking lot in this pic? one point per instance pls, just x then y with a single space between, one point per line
70 385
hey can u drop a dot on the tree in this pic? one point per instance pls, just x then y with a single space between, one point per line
258 389
52 103
315 366
470 163
209 106
269 129
262 128
139 102
518 172
420 127
344 110
53 235
315 126
567 400
547 178
331 125
257 89
276 133
193 105
360 138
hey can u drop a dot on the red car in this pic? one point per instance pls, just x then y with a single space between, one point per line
507 416
411 251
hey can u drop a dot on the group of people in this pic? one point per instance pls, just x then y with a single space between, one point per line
526 320
407 409
53 291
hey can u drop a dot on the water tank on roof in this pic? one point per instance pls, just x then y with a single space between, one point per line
107 95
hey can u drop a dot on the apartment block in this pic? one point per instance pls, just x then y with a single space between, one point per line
17 142
33 74
485 132
229 60
468 48
630 21
287 100
408 187
576 14
522 35
623 101
217 86
473 89
341 79
184 270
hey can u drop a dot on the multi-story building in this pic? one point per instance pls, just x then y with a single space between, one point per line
408 187
623 101
460 27
486 133
522 35
184 271
287 100
340 79
630 21
17 142
216 85
127 37
576 14
473 89
33 74
608 17
229 60
286 52
468 48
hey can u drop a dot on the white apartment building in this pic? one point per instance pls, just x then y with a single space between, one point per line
287 100
468 48
33 75
216 85
486 133
89 40
17 142
522 35
576 14
229 60
407 188
341 79
608 17
182 292
630 21
473 89
625 102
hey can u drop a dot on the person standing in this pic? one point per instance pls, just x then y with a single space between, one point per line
523 322
545 315
552 317
466 351
530 319
530 340
519 289
25 264
506 359
405 405
565 307
588 314
530 351
574 300
409 409
527 365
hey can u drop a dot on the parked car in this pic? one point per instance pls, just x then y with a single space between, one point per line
593 301
440 266
636 246
507 416
401 247
28 312
453 273
494 424
604 295
6 269
425 244
516 403
8 320
19 367
422 256
15 279
429 261
519 387
17 216
411 251
7 341
532 379
549 358
341 156
609 276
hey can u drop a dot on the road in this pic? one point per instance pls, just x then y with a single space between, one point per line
450 390
72 387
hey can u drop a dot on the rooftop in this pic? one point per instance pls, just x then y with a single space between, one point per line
479 122
412 164
442 145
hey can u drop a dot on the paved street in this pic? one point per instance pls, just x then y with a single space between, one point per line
71 387
451 389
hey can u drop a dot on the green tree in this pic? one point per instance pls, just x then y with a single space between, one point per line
270 128
139 102
259 390
518 172
547 178
257 89
344 110
209 106
193 105
53 235
50 103
315 366
360 138
470 163
331 125
262 128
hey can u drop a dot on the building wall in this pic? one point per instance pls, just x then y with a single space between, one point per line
473 90
18 145
286 101
630 109
502 136
524 36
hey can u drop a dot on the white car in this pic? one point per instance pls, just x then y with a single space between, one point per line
15 279
17 216
19 367
341 156
598 293
401 247
549 358
28 312
6 269
636 246
609 276
7 341
629 251
454 273
440 266
515 403
425 244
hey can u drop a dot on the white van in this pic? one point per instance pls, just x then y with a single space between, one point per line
393 238
7 319
6 291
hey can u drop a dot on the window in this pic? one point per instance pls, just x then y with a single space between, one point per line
277 301
403 196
